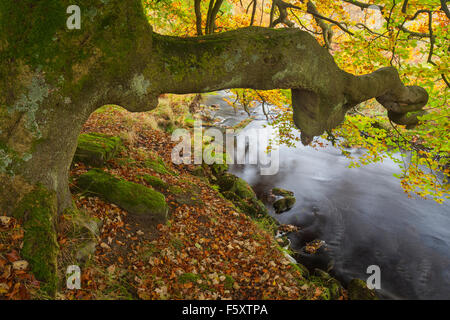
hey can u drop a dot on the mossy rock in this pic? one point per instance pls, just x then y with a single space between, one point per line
336 289
231 196
322 274
155 182
132 197
94 149
159 167
358 290
198 171
282 192
284 204
260 207
251 207
230 182
218 169
38 210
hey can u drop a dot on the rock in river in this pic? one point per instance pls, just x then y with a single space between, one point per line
284 204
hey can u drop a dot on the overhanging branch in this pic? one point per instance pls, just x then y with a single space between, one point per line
264 59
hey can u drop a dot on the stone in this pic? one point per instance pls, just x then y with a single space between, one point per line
283 205
282 192
132 197
230 182
95 149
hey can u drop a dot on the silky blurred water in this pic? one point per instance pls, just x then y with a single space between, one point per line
361 213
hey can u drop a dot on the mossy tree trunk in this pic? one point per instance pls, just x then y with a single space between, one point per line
53 78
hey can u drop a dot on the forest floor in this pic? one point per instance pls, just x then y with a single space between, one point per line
207 250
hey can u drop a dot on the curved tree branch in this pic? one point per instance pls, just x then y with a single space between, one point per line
263 59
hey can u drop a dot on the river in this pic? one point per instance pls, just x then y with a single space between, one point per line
362 214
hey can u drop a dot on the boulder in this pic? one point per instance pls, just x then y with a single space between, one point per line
198 171
219 168
336 289
358 290
94 149
229 182
282 192
132 197
241 194
155 182
284 204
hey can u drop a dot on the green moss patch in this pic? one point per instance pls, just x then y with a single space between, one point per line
38 210
95 149
155 182
132 197
188 277
242 195
282 192
229 182
284 204
358 290
159 167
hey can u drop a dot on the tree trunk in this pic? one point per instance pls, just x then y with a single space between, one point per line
52 79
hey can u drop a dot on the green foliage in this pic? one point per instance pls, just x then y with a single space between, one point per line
419 155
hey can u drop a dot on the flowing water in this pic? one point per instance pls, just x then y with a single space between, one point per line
362 214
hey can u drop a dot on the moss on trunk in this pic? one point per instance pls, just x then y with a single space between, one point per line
38 211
